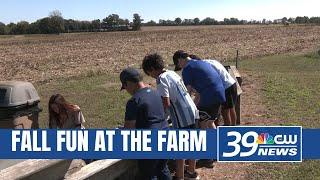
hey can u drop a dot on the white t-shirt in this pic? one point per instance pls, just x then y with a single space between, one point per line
226 78
183 111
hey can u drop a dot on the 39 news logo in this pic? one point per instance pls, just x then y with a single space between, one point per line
259 144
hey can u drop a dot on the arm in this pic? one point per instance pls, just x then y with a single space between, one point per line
130 115
197 98
163 90
189 88
166 102
197 95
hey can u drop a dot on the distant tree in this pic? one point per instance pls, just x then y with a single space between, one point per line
96 24
85 26
168 22
291 20
2 28
22 27
226 21
123 21
252 21
234 21
285 21
11 28
71 25
34 28
269 22
127 22
112 20
151 23
196 21
187 22
209 21
55 13
178 21
264 21
137 21
56 22
44 25
243 22
302 20
314 20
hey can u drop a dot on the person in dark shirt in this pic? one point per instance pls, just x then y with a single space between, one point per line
144 111
205 80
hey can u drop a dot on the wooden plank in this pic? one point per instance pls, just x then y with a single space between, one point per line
235 71
37 169
106 169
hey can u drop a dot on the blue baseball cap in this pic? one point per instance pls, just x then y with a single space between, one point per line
130 74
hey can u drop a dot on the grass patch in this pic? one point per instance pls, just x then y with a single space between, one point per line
98 96
291 90
291 87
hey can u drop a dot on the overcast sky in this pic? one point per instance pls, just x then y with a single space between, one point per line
31 10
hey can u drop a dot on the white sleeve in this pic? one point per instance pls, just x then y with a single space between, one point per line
79 119
163 87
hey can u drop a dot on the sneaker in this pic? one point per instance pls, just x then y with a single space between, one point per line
189 175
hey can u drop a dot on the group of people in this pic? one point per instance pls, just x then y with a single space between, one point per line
196 100
214 91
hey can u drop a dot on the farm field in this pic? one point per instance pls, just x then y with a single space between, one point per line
47 57
281 77
278 90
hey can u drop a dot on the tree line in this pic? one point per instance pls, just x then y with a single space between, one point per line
55 24
232 21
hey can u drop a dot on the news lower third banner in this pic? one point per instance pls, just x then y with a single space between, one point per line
226 144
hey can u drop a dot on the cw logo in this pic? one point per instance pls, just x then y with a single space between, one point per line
265 142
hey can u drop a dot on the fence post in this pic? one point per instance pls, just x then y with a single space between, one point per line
237 59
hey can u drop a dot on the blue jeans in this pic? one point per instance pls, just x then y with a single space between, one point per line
153 169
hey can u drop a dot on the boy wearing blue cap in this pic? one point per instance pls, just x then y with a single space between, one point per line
144 111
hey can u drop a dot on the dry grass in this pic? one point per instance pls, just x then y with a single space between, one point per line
46 57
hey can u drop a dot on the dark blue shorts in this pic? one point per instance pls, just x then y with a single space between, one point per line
210 112
231 97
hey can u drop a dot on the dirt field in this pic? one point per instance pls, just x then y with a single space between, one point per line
45 57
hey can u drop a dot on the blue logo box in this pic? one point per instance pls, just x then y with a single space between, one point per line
259 144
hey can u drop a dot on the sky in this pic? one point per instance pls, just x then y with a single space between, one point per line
31 10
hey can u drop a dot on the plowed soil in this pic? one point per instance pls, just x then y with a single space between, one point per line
45 57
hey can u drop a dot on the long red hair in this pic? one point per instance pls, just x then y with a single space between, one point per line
63 106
